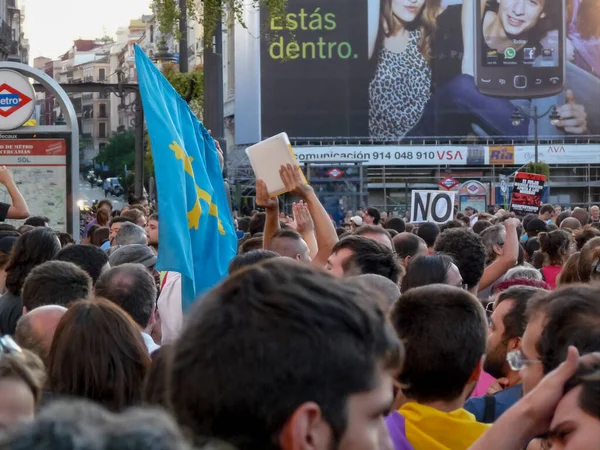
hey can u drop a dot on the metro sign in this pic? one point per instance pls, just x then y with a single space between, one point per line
448 183
335 173
12 99
473 188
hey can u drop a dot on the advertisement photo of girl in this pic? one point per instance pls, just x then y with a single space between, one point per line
400 44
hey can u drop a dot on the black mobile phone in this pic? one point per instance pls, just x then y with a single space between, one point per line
520 47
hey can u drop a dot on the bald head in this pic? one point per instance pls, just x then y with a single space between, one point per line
290 244
35 330
570 223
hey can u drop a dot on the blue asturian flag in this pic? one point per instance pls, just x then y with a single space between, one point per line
196 233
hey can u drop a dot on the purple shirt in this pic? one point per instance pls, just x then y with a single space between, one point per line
396 425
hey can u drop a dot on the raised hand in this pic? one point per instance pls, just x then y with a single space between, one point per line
262 197
294 182
302 218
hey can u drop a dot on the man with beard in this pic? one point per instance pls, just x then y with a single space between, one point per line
505 332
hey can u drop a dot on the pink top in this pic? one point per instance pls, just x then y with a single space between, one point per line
550 274
485 381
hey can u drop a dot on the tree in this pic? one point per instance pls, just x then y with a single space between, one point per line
119 151
189 85
540 168
210 12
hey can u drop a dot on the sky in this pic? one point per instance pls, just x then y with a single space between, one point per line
52 25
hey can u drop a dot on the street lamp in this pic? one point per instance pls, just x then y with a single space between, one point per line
518 114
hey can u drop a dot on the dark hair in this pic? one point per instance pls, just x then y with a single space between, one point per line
423 270
396 223
101 203
243 224
531 246
554 246
582 236
587 377
444 331
546 208
407 244
276 302
120 219
132 288
586 259
374 213
257 223
55 283
562 216
573 318
82 425
37 221
255 243
429 232
115 375
515 321
156 383
339 231
453 224
65 239
481 225
89 258
154 217
468 252
100 236
91 230
368 256
31 249
582 215
249 259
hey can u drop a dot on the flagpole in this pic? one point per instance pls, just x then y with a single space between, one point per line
213 88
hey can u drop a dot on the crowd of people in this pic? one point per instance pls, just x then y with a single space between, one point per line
375 333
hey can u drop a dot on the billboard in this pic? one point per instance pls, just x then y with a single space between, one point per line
391 70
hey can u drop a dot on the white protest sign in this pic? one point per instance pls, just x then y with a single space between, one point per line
432 206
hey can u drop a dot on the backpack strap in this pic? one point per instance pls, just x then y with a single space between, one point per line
489 412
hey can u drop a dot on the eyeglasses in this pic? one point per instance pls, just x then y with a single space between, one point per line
517 361
8 346
489 309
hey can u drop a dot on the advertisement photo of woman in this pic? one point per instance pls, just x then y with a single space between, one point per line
400 43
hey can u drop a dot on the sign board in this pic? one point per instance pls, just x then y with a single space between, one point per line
432 206
44 159
503 185
17 99
448 183
527 193
39 167
448 155
322 71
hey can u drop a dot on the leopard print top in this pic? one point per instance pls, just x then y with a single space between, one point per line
399 90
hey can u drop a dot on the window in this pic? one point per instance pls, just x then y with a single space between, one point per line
151 33
102 130
102 114
101 74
